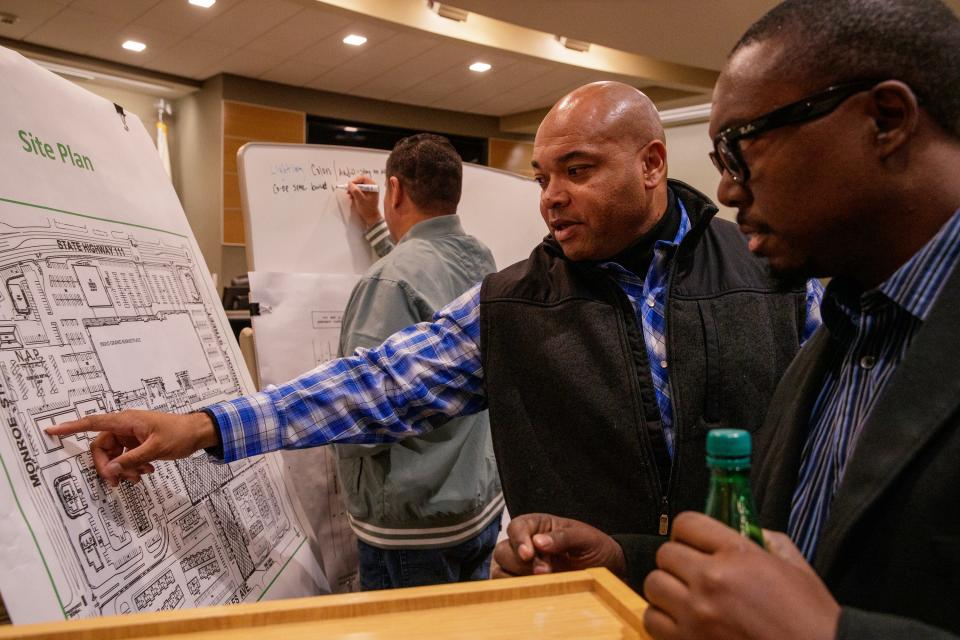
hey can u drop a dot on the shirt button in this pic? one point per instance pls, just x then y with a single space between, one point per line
663 364
867 362
651 301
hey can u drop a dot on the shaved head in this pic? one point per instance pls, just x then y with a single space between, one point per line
609 110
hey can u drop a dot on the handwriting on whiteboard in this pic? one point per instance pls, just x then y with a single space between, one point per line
292 178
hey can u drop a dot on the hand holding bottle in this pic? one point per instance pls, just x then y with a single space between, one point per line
730 499
712 582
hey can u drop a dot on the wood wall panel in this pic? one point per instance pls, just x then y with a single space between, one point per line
233 227
262 123
230 148
511 155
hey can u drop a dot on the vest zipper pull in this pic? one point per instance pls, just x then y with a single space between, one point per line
664 516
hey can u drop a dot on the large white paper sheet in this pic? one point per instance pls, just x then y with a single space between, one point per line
105 304
297 329
298 326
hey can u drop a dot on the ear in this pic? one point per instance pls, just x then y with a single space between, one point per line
654 161
395 193
896 113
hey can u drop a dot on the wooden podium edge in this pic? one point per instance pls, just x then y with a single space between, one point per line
624 601
610 590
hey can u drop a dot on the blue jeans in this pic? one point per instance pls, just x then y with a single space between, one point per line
395 568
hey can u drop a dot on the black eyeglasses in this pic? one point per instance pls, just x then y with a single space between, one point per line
726 154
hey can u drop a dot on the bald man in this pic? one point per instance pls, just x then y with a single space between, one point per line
637 324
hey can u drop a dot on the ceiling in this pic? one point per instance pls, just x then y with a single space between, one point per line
670 48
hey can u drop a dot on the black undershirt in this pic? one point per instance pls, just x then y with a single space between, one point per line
638 255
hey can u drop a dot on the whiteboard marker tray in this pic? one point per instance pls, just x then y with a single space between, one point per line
579 604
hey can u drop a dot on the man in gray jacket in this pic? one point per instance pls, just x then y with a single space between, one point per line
425 510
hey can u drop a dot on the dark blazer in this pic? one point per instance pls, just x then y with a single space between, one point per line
890 548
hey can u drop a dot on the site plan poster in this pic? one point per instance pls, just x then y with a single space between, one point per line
106 304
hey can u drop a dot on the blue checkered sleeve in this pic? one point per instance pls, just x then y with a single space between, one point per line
416 380
812 321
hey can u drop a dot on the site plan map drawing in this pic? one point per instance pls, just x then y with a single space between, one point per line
105 305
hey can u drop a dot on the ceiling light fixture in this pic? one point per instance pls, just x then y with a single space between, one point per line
480 67
448 12
351 129
64 70
133 45
107 78
575 45
354 40
206 4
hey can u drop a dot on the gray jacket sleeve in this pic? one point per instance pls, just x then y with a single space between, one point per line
378 237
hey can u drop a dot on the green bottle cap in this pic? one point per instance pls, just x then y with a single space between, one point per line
728 448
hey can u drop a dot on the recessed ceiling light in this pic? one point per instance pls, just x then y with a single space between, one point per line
206 4
354 39
133 45
480 67
351 129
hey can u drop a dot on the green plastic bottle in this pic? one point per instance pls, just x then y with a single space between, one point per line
730 500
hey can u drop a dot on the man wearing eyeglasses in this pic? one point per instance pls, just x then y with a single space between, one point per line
836 125
639 323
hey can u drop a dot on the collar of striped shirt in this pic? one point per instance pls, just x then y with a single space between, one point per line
875 328
913 287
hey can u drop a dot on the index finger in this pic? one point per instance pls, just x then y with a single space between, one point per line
361 179
702 532
101 422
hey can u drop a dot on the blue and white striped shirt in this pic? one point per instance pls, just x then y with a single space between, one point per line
876 328
427 373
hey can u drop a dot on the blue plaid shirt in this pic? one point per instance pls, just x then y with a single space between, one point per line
875 328
429 372
648 296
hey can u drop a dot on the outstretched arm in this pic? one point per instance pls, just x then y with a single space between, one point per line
416 380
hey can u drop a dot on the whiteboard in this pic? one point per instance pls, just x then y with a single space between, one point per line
297 222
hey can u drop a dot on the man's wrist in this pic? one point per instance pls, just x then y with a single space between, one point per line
206 432
371 223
